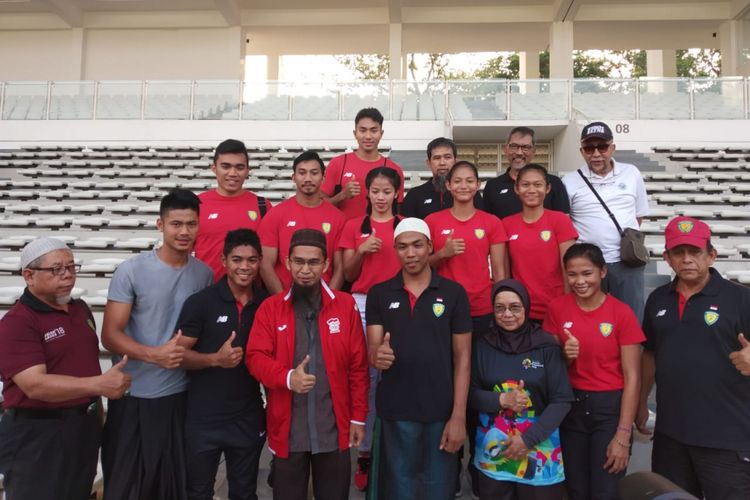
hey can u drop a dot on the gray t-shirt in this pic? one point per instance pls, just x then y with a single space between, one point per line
157 292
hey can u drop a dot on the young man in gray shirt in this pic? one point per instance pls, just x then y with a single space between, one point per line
142 446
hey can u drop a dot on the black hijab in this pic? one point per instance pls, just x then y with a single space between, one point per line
528 336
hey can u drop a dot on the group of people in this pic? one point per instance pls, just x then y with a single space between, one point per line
395 325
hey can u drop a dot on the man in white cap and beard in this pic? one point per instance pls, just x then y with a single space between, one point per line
419 336
49 364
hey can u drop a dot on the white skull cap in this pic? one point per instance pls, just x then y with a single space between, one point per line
414 225
39 247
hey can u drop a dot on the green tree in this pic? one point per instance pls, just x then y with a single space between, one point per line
504 66
698 62
367 66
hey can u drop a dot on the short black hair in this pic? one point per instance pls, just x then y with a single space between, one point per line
308 156
535 167
231 146
441 142
587 251
179 199
239 238
522 131
462 164
371 113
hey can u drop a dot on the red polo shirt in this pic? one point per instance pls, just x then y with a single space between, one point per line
378 266
33 333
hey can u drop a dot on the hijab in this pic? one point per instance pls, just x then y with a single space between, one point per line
528 336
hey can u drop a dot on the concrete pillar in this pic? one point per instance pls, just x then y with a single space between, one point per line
661 63
77 54
731 45
395 52
561 50
243 52
528 67
272 67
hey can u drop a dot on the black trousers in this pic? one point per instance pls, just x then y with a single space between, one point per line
143 449
585 434
703 472
489 489
331 475
51 458
241 466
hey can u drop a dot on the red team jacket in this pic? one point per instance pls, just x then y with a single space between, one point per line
270 355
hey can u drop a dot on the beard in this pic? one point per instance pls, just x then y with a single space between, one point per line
62 299
440 181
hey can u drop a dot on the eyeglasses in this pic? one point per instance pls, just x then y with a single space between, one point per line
311 263
59 270
589 148
523 147
515 309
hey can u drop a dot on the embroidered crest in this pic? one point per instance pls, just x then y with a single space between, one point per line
252 214
438 309
710 317
545 235
605 329
326 227
685 226
479 233
334 325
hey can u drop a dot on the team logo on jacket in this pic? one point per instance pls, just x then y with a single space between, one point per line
438 309
685 226
479 233
605 329
252 214
334 325
545 235
710 317
326 227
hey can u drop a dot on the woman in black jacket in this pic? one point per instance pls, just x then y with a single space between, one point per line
520 388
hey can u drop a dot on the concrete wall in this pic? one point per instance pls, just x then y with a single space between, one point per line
37 55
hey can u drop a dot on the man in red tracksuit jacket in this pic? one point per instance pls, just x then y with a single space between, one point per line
307 348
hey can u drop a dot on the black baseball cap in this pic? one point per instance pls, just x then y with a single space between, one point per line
599 130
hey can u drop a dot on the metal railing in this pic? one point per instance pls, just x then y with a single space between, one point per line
454 101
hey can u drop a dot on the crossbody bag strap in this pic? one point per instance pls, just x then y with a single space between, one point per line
609 212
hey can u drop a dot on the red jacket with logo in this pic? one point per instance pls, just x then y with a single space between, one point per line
270 353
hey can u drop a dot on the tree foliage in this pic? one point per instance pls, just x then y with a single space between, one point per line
698 63
367 66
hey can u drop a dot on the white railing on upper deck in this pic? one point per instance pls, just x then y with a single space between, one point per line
454 101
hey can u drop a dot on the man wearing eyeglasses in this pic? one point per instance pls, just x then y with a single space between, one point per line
49 363
499 195
621 187
307 348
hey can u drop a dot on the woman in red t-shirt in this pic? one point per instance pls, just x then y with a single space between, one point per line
601 341
464 238
369 258
538 238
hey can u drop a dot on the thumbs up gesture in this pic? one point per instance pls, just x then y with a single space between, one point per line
371 244
114 382
300 381
385 356
170 354
351 189
228 356
741 359
516 400
453 246
571 348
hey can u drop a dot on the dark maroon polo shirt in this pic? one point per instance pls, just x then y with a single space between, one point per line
33 333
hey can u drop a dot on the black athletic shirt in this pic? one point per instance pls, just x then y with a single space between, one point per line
217 395
702 400
418 387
